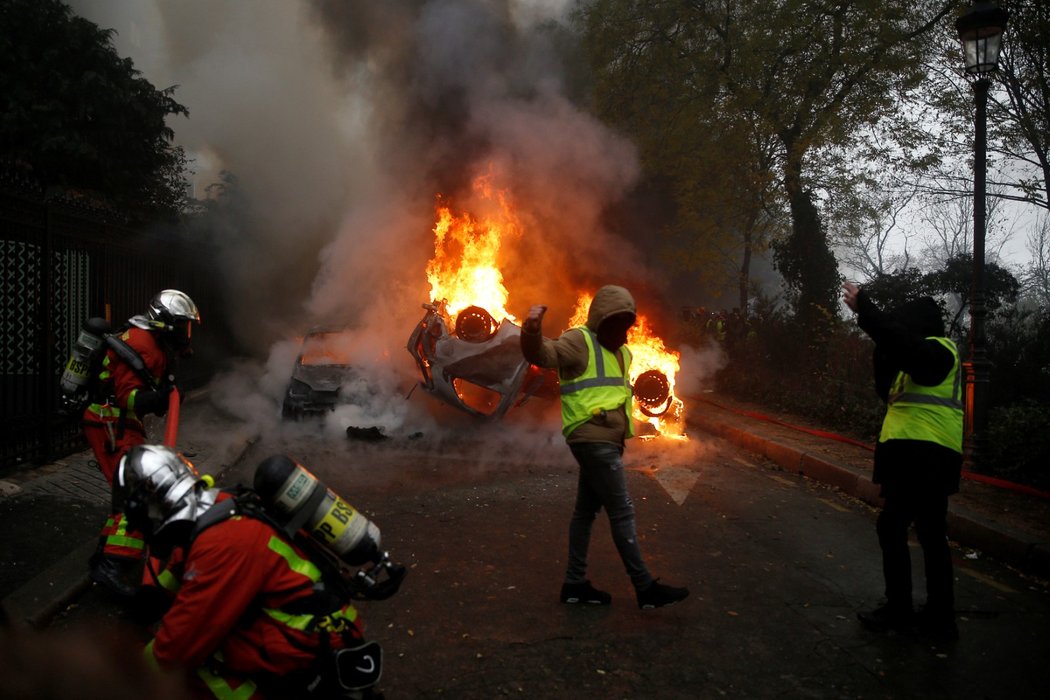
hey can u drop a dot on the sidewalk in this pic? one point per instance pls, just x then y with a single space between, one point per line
51 569
1011 526
51 516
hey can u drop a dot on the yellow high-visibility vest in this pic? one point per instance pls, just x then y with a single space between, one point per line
603 386
931 413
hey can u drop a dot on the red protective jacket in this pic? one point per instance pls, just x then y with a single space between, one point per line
108 436
248 593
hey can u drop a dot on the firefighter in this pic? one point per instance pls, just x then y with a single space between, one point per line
253 614
596 403
130 387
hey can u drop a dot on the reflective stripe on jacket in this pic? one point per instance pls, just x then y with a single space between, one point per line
249 594
603 386
929 413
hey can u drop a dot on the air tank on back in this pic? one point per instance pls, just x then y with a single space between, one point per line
299 500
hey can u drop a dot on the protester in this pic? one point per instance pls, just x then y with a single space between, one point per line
918 457
593 364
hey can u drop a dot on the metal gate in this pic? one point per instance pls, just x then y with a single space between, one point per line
60 263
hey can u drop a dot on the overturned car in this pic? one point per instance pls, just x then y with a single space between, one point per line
474 363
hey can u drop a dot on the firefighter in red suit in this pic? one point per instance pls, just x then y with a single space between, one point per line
252 616
130 388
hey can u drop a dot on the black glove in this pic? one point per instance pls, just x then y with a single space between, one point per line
153 401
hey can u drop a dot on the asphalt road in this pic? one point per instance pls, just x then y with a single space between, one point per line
777 564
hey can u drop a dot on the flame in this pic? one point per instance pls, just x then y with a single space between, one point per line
648 352
465 269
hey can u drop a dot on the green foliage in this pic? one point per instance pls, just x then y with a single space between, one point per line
1019 444
1020 125
808 265
776 365
80 116
745 108
1019 348
890 291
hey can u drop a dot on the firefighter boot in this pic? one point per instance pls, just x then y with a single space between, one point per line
118 575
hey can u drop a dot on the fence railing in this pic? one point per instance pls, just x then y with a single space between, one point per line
61 262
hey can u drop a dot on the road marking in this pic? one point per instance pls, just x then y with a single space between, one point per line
989 581
676 482
782 480
834 505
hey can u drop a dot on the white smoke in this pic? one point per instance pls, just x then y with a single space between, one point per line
342 121
698 367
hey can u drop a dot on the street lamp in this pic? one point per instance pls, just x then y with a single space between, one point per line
980 31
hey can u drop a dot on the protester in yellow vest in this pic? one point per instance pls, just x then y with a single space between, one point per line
592 363
918 458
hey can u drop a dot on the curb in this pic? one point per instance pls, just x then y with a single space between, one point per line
998 541
37 601
40 599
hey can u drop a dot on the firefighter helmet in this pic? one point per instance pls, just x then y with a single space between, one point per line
157 487
174 313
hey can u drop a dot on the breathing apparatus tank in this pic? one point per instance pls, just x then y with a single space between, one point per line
76 377
299 501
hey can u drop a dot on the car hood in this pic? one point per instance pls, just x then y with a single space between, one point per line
322 377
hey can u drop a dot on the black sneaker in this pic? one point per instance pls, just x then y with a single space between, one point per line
657 595
937 626
577 593
888 619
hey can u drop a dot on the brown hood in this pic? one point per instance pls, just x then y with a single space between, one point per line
607 301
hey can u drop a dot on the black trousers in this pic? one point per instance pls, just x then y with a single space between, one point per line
927 508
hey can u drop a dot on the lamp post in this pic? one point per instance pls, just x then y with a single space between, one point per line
980 30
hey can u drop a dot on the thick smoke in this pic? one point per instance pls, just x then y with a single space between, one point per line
342 122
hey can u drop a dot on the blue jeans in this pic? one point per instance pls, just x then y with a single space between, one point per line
602 484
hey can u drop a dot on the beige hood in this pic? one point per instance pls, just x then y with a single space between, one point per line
607 301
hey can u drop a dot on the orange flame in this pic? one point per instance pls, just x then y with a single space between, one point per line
465 269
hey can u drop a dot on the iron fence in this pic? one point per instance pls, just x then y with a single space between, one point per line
60 262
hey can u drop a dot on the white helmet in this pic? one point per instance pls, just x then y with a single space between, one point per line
156 487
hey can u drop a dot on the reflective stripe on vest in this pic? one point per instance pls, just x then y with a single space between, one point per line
336 621
115 534
220 687
930 413
603 386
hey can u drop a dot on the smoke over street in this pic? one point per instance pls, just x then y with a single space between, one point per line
343 122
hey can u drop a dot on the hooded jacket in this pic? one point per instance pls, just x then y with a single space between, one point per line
568 354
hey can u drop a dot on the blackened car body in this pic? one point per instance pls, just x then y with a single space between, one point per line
322 377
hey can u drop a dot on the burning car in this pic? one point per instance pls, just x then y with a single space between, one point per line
322 377
474 363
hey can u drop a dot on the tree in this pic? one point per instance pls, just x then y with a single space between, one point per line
866 223
1021 123
955 278
80 117
805 76
1036 276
